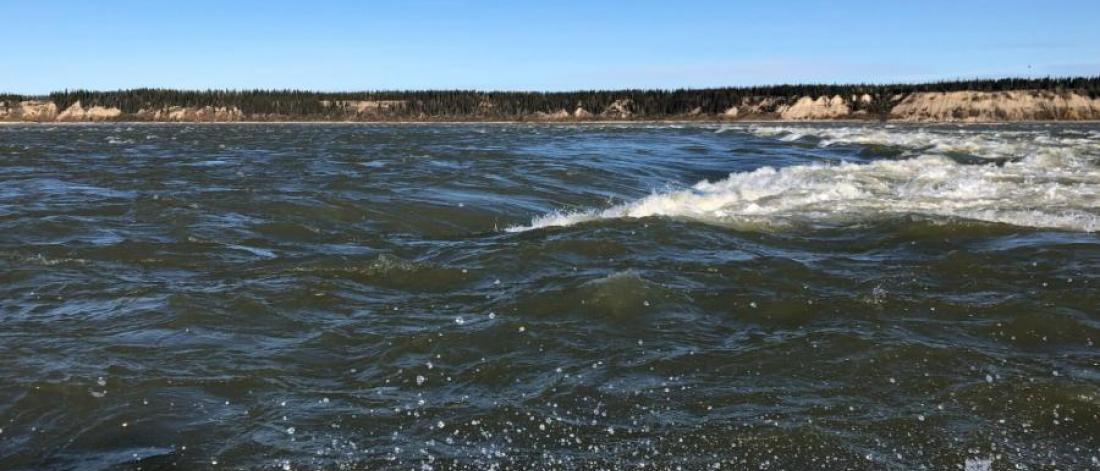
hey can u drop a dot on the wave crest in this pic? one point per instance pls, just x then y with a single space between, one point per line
1058 188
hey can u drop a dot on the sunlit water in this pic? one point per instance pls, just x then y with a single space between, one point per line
549 297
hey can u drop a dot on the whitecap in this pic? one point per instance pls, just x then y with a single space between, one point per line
1054 184
259 252
985 143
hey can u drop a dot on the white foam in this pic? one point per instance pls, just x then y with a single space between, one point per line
259 252
985 143
1056 184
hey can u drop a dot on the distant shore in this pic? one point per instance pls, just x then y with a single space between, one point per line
550 123
982 101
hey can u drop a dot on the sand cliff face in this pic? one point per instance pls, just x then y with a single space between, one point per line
619 109
365 106
996 106
38 110
191 114
816 109
555 116
28 110
76 112
961 106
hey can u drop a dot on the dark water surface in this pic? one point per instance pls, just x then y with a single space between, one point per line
549 297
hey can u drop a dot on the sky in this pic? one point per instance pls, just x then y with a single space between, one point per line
335 45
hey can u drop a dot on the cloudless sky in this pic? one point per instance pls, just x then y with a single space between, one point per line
546 45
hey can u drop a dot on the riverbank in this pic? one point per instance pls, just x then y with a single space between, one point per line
541 123
876 103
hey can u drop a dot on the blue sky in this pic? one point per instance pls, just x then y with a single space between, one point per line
549 45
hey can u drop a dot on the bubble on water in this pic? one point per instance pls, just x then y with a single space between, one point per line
101 381
988 378
440 424
492 315
978 464
522 329
420 380
290 430
459 320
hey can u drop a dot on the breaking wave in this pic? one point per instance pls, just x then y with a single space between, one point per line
984 143
1047 182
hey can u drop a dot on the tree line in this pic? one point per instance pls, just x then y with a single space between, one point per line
504 104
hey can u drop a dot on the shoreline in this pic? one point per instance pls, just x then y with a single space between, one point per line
1071 99
555 123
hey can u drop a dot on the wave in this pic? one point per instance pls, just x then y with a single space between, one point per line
1055 187
985 143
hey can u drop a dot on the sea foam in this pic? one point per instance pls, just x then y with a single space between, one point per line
1047 182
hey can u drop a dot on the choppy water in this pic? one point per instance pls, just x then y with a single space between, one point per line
549 297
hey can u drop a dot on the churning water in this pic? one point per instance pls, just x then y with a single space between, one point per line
549 296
